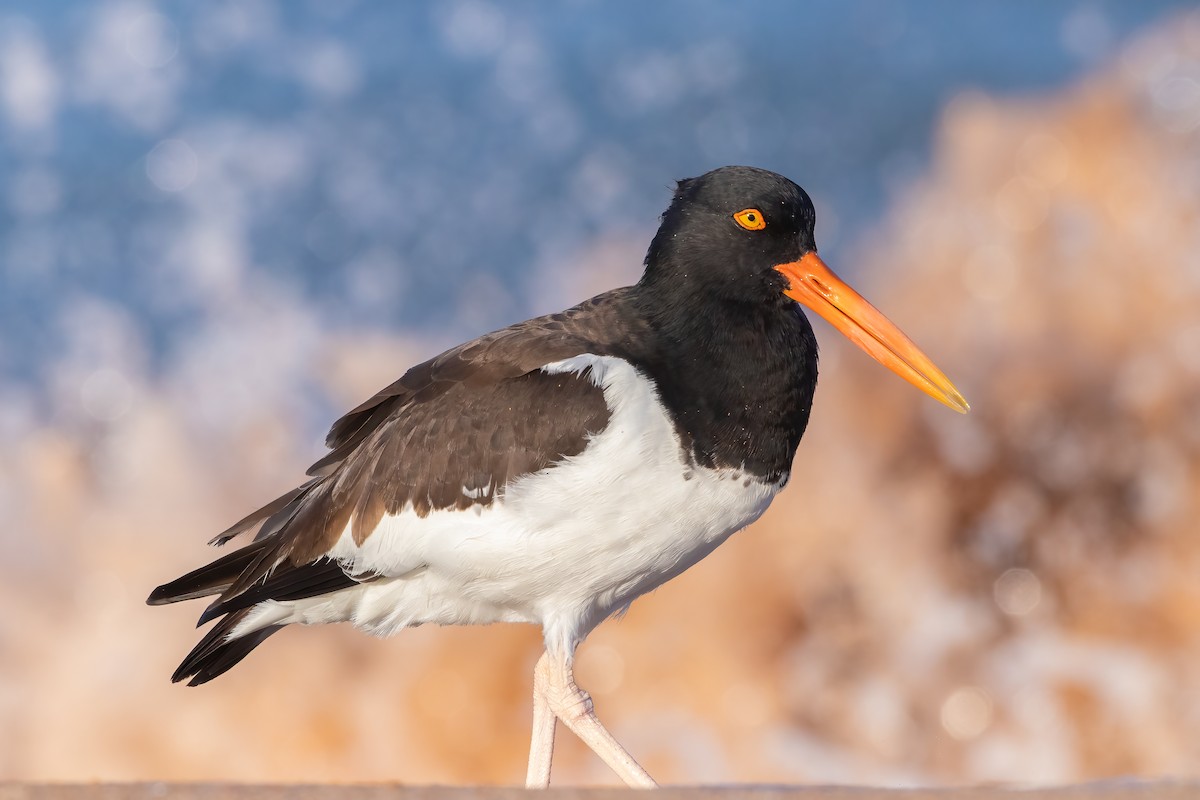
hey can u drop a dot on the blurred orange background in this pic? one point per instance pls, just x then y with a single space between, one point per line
1007 596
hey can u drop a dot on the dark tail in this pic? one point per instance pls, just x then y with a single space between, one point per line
214 578
217 653
269 568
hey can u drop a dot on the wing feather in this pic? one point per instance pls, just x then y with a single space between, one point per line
453 432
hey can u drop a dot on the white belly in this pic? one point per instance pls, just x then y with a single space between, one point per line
563 548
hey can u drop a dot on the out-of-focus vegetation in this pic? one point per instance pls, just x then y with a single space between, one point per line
1012 595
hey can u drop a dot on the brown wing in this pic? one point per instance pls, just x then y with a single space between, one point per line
595 326
453 432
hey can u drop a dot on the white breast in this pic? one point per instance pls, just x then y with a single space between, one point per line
564 548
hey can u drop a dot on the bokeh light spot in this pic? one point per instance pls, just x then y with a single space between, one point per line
172 165
1017 592
966 713
106 395
151 40
473 28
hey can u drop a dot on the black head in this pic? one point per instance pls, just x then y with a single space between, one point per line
740 238
726 230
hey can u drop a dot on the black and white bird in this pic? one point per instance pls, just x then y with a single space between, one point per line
554 471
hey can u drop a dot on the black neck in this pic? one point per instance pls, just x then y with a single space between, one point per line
736 376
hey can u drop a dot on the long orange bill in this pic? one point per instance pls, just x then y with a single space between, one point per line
816 286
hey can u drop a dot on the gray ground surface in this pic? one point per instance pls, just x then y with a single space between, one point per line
1107 790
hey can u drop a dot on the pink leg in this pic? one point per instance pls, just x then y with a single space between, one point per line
556 695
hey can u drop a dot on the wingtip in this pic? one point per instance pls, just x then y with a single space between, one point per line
159 597
214 610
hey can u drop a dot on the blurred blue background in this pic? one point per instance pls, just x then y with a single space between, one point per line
418 166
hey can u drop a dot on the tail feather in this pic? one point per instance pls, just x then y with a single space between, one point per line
213 578
290 583
285 562
217 653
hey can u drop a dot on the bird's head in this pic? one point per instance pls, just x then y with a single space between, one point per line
746 235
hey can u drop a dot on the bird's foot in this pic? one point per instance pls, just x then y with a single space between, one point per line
557 696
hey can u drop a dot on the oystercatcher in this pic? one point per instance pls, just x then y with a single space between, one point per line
554 471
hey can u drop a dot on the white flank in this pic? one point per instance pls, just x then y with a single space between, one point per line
563 548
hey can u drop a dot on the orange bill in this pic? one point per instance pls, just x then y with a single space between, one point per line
816 286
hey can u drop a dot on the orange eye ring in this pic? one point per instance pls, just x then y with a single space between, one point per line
751 219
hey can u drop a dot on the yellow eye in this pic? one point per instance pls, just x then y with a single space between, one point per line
751 219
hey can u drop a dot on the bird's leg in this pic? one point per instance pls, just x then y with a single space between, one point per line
554 680
541 747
